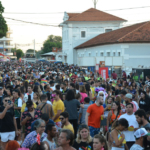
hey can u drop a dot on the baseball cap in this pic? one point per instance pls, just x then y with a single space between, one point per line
129 96
140 132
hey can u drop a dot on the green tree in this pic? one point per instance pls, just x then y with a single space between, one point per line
30 51
19 53
52 41
3 25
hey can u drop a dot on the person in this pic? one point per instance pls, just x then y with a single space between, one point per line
30 92
64 116
83 140
117 138
8 125
114 75
36 98
65 140
29 116
142 119
133 125
31 137
12 145
1 95
58 107
139 134
93 116
51 134
41 146
128 99
144 102
45 107
99 143
83 93
71 105
52 85
82 111
44 117
113 115
64 88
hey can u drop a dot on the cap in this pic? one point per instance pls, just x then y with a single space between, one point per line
129 96
140 132
119 85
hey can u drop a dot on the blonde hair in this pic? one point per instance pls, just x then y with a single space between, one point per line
118 99
38 96
81 127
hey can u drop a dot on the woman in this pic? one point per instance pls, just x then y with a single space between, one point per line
114 114
71 105
116 137
36 98
12 145
29 116
42 146
83 93
88 91
31 138
83 140
9 91
99 143
148 91
144 101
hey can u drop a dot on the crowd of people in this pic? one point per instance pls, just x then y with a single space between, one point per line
62 107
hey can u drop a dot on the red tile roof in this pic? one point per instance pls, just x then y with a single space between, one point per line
138 33
93 14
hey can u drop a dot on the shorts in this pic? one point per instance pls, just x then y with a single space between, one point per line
6 136
117 148
94 131
58 125
18 123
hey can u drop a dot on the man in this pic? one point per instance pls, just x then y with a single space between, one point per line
44 117
128 99
139 134
64 116
64 88
1 95
112 88
37 76
93 116
8 125
45 106
82 111
133 125
65 140
51 131
30 92
52 85
141 118
114 75
58 107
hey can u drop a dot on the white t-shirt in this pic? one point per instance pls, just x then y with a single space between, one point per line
19 103
26 96
53 88
129 135
136 147
48 102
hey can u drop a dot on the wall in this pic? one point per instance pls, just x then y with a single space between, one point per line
71 35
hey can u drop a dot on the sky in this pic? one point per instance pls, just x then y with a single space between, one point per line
51 12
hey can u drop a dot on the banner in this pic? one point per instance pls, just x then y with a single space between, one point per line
104 72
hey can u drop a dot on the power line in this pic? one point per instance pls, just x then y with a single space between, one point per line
73 12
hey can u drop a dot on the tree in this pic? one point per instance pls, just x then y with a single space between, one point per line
19 53
3 25
52 41
30 51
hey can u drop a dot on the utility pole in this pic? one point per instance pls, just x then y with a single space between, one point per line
34 47
95 2
3 48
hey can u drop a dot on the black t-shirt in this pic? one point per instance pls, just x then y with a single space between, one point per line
7 123
144 104
83 145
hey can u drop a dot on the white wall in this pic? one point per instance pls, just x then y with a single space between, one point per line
131 55
71 35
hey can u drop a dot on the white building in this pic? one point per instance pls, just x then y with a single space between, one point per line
125 48
78 28
5 44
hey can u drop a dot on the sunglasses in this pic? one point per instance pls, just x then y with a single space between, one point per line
61 118
6 100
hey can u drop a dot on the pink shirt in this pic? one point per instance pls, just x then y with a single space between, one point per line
84 95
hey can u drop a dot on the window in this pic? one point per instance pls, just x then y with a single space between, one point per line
108 53
101 54
118 53
83 34
114 54
108 30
